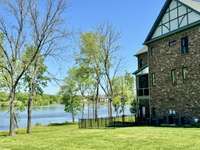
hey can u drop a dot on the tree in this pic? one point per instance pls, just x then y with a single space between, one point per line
83 77
35 80
90 56
30 25
123 90
98 50
109 44
70 97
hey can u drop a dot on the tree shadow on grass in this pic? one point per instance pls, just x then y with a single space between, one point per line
22 131
3 134
62 124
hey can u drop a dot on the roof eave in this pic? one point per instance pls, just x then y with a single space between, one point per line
136 55
145 66
157 20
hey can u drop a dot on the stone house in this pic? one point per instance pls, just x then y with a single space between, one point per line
168 75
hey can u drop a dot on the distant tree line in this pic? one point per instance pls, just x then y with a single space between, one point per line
21 99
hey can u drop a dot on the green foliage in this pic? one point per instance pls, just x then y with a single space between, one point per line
116 103
90 53
35 78
123 91
123 87
44 99
90 47
69 92
21 100
3 97
72 103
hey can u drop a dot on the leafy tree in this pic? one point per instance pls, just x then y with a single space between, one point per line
83 77
70 97
97 51
32 25
35 79
123 90
90 56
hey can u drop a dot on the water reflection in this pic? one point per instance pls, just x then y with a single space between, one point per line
48 114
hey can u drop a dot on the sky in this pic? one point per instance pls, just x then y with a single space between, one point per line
132 18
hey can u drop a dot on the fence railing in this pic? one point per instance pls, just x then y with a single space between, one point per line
120 121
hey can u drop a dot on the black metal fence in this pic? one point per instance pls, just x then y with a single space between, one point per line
121 121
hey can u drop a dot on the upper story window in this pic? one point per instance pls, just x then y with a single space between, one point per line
151 51
184 45
173 76
184 73
140 62
153 79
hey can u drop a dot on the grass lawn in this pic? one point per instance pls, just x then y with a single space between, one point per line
69 137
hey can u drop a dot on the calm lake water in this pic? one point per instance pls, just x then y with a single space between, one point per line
47 114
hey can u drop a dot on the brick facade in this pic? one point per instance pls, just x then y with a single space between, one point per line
183 97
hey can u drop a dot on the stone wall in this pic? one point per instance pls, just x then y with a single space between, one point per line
184 96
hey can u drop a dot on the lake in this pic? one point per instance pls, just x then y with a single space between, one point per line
45 115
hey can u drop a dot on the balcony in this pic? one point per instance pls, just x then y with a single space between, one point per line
143 92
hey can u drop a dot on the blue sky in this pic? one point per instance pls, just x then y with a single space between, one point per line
133 18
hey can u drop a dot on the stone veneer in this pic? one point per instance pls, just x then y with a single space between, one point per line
183 97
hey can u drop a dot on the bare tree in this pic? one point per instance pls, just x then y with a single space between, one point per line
109 44
37 23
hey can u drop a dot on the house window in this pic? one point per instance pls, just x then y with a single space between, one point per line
172 112
153 79
184 73
173 76
140 62
184 45
151 51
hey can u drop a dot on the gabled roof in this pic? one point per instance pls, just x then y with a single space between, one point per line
141 51
193 5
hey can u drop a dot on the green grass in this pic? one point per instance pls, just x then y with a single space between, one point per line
69 137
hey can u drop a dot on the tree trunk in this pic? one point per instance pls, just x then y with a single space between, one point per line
93 109
96 103
83 109
73 118
29 112
16 122
88 109
123 115
110 108
12 115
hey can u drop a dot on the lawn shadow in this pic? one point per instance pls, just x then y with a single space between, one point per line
17 132
62 124
3 134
